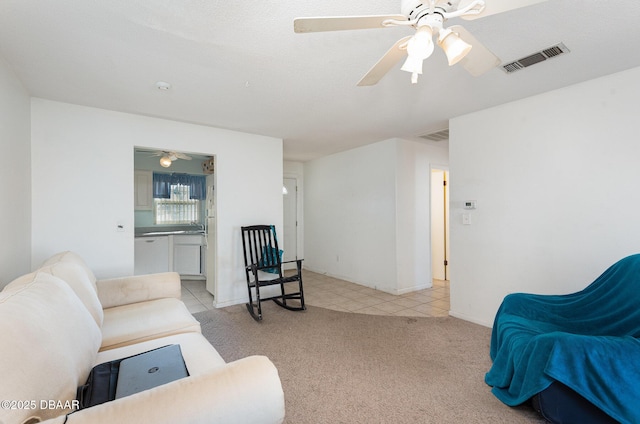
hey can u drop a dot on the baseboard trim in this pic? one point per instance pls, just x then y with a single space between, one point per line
470 319
393 291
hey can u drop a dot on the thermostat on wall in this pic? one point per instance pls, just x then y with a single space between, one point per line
470 204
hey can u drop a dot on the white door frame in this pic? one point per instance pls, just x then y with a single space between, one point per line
299 214
447 243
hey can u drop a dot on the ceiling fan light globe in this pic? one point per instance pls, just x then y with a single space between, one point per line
413 65
419 47
421 44
454 47
165 161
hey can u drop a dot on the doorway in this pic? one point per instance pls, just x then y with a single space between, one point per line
439 224
290 221
181 223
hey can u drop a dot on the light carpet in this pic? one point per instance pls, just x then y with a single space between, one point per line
339 367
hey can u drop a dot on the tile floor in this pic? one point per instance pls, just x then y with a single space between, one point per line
196 296
340 295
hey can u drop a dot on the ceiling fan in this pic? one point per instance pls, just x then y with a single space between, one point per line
167 158
428 18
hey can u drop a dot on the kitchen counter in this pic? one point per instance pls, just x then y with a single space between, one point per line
168 230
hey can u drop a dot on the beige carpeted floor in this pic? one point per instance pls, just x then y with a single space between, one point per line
339 367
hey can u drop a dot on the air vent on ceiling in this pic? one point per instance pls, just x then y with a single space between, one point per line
437 136
537 57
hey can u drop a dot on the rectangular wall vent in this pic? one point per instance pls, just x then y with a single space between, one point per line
437 136
537 57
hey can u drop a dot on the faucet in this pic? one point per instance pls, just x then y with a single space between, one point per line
201 227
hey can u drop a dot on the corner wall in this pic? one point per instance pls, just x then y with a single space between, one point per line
350 215
556 181
367 215
413 209
83 186
15 174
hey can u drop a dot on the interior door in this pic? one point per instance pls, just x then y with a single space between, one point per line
289 238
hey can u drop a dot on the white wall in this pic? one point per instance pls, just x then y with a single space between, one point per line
15 174
83 185
367 215
556 180
350 215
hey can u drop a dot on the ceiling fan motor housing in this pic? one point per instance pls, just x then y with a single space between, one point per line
416 9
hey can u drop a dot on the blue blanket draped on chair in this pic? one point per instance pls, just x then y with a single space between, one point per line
588 341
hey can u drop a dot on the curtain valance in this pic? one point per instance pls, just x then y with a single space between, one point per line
162 185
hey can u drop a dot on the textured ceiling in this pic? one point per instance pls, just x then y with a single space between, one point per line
239 65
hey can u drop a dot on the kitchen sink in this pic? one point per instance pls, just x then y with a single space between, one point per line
172 233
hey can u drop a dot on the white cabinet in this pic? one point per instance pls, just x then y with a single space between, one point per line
187 254
143 189
183 254
151 255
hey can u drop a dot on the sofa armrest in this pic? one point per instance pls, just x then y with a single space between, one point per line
246 391
139 288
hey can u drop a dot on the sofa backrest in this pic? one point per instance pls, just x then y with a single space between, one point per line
81 283
49 345
72 257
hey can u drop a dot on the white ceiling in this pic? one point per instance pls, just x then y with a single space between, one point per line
239 65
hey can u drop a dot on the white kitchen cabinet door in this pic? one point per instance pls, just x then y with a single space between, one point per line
186 259
187 255
151 255
143 188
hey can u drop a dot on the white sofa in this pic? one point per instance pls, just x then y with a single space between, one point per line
59 321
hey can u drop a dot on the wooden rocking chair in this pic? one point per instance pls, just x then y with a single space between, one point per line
263 267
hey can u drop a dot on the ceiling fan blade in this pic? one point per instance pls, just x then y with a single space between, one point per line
480 59
497 6
182 156
339 23
384 65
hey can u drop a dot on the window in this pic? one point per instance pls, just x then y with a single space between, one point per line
177 198
179 208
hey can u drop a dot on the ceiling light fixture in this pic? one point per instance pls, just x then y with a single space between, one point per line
165 161
161 85
454 47
419 47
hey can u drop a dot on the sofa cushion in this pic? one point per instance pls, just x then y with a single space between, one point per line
136 322
82 284
199 355
138 288
72 257
49 344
